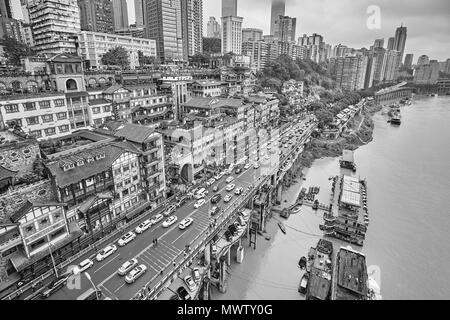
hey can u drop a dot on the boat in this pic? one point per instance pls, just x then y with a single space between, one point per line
302 263
303 283
316 205
282 227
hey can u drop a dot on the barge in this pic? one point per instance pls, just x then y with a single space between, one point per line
319 268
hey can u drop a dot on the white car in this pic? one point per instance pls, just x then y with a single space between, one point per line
170 210
230 187
190 283
144 226
199 203
196 274
126 239
238 191
170 221
185 223
247 166
227 198
135 273
106 252
127 267
229 180
157 219
256 165
210 182
84 265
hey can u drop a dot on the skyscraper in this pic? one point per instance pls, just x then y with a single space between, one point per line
379 43
192 27
400 40
351 72
391 42
409 60
229 8
251 34
423 59
120 11
278 9
139 12
96 15
213 28
285 28
55 25
162 19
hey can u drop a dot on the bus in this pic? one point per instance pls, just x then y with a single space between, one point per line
91 294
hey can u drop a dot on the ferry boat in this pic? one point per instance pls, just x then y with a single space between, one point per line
348 160
395 120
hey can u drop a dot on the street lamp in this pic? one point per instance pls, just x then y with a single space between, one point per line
53 260
88 276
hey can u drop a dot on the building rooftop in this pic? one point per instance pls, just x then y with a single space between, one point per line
27 206
131 132
31 95
212 103
351 274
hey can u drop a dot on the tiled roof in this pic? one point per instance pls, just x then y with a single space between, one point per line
210 103
108 154
96 102
113 89
6 173
133 132
27 206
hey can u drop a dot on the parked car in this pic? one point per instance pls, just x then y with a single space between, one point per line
127 267
214 211
213 249
215 188
229 179
238 170
106 252
54 286
185 223
227 198
157 218
216 198
84 265
170 210
130 236
190 283
256 165
181 201
183 294
238 191
196 274
230 187
247 166
144 226
210 182
170 221
135 273
199 203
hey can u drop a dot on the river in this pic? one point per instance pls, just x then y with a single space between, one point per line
408 173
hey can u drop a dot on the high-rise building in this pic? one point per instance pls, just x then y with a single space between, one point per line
427 73
285 28
213 28
393 60
379 43
400 40
232 34
96 15
258 51
192 27
139 12
391 43
120 10
423 59
55 25
409 60
163 23
351 72
278 9
447 66
251 34
5 9
229 8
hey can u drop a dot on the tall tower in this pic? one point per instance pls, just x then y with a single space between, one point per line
391 43
278 9
120 10
231 28
96 15
400 40
139 12
229 8
192 27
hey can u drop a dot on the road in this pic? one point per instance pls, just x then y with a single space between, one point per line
171 241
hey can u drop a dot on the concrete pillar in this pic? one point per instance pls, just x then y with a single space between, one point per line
229 257
223 277
207 253
279 193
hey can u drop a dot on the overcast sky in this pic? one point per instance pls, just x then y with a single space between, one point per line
345 21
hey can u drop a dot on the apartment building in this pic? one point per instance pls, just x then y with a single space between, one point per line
206 88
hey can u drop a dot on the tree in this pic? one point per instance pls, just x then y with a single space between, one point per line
145 60
14 50
212 45
199 59
117 56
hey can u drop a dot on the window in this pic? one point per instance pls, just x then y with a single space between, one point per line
71 85
14 122
44 104
61 115
32 121
60 103
135 178
125 193
96 110
47 118
11 108
119 186
50 131
37 133
117 172
29 106
64 128
107 109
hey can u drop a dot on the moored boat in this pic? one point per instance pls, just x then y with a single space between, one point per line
303 283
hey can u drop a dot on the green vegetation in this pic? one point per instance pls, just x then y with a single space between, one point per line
14 50
117 56
212 45
145 60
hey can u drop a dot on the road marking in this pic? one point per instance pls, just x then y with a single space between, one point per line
109 292
119 288
105 264
178 238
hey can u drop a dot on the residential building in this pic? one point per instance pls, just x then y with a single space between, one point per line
427 73
213 28
120 12
379 43
351 72
11 28
94 45
206 88
278 9
229 8
55 25
409 60
391 43
285 28
423 59
139 12
163 23
400 41
192 27
258 53
251 34
232 34
96 15
176 86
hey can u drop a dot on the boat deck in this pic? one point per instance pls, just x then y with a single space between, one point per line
319 284
351 275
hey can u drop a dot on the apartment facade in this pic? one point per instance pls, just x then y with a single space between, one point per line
96 15
192 27
232 34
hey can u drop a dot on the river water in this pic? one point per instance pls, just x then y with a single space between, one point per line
408 173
